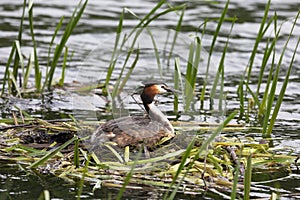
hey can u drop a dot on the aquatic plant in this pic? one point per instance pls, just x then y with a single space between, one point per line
16 60
119 46
265 110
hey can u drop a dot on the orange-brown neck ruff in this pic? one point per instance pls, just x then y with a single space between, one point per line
148 95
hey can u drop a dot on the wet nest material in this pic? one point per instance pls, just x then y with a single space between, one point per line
53 147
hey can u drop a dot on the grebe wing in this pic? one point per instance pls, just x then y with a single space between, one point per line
125 123
132 131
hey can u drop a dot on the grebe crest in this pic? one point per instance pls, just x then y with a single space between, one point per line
136 130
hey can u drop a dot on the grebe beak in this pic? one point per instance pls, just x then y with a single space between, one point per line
168 89
173 91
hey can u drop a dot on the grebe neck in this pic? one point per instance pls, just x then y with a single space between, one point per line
147 100
156 115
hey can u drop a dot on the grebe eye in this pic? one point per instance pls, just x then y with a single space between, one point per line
163 87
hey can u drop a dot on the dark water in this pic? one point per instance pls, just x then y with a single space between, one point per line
91 45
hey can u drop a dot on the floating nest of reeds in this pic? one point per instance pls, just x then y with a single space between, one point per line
180 165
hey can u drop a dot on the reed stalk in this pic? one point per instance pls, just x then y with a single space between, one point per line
59 48
138 29
247 74
37 71
216 33
220 71
266 106
17 62
177 81
6 79
18 56
177 30
247 180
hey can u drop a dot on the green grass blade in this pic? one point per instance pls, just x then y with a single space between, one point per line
59 48
180 168
144 22
263 28
197 59
116 89
84 173
115 51
20 56
45 195
255 97
52 153
282 92
178 28
177 81
17 58
247 179
175 8
200 150
271 94
188 90
14 82
127 76
217 131
267 131
189 67
28 69
240 94
267 54
6 73
115 153
235 179
38 73
265 59
221 64
62 78
192 71
263 105
147 17
128 177
156 53
259 37
138 31
216 33
58 26
22 21
76 153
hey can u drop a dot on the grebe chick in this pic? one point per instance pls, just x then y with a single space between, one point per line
134 131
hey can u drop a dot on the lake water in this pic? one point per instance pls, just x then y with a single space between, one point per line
91 44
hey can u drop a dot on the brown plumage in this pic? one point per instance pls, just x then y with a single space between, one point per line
136 130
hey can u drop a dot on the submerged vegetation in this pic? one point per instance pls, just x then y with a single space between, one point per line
218 163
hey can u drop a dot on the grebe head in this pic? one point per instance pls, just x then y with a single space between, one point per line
151 90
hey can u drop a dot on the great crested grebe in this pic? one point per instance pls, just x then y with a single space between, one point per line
135 131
